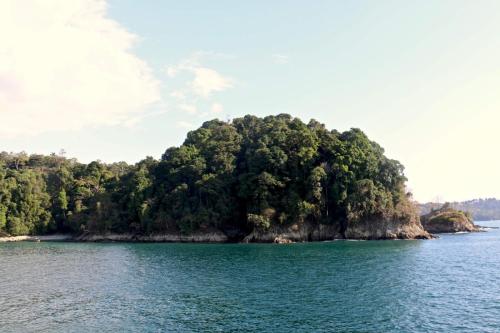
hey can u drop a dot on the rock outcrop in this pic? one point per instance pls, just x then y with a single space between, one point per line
386 229
448 220
294 233
401 222
367 229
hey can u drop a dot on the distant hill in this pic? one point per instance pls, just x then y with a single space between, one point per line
481 209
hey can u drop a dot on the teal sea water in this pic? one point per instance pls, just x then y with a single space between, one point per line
447 285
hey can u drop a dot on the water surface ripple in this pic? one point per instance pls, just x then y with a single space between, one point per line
445 285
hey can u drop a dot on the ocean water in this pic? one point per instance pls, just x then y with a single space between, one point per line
451 284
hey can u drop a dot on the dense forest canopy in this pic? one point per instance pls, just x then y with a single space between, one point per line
250 173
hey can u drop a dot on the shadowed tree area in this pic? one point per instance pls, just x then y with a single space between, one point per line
248 174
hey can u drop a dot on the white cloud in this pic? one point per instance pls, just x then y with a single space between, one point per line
208 81
205 81
280 59
188 108
217 108
194 87
65 65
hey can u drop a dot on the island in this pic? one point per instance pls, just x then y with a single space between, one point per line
448 220
252 179
480 209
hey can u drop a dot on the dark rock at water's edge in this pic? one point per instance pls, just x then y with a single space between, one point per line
403 223
297 232
366 230
209 236
400 223
405 227
448 220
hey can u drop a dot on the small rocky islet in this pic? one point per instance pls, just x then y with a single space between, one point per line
448 220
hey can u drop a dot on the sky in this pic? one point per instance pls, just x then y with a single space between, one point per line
121 79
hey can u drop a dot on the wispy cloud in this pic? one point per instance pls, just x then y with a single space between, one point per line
207 81
280 59
204 81
197 84
65 65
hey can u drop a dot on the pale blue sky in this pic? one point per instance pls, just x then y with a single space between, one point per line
422 78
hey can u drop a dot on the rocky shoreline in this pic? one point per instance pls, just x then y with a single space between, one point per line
297 232
305 232
45 238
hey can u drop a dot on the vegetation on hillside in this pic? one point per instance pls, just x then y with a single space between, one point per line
250 173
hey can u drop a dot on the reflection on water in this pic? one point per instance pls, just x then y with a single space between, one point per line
447 284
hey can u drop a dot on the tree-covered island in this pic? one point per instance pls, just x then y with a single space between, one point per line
251 179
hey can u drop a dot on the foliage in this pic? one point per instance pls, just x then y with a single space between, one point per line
245 174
